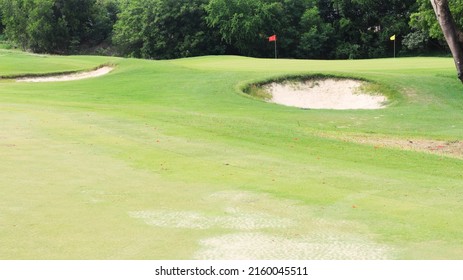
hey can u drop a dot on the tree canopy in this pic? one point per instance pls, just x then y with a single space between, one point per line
165 29
162 29
56 26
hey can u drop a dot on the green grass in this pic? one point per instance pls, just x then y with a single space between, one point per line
16 63
90 168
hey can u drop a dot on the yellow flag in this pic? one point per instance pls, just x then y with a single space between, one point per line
392 38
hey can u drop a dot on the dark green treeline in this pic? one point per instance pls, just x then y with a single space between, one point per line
163 29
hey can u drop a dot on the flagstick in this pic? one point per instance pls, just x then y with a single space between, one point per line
394 47
275 49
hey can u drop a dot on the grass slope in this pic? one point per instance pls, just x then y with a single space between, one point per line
14 63
167 160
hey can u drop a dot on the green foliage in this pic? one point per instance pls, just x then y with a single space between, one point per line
44 33
103 17
165 29
245 24
424 19
312 29
171 29
416 40
363 27
427 34
424 23
15 20
130 26
1 21
57 26
316 37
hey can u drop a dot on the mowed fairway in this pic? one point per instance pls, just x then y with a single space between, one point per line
169 160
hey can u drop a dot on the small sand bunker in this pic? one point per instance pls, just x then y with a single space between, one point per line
68 77
340 94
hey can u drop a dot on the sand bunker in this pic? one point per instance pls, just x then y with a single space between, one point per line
68 77
340 94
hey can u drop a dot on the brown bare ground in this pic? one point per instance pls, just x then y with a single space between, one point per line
443 148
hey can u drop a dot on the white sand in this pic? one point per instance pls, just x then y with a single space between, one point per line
68 77
324 94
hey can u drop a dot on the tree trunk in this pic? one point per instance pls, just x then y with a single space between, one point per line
453 36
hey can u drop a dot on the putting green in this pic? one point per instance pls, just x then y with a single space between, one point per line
169 160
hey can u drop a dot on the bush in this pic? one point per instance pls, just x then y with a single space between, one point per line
417 40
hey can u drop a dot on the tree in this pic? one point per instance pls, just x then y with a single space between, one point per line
55 26
15 18
102 17
44 33
296 30
1 16
246 24
363 27
79 23
453 35
315 35
416 41
164 29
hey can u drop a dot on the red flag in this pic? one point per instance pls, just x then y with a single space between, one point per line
272 38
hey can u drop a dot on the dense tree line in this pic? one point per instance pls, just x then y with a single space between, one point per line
58 26
162 29
165 29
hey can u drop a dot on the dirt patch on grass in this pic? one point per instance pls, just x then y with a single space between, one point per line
339 94
453 148
68 77
232 219
444 148
258 226
315 246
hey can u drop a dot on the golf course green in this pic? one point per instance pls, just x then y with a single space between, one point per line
172 160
